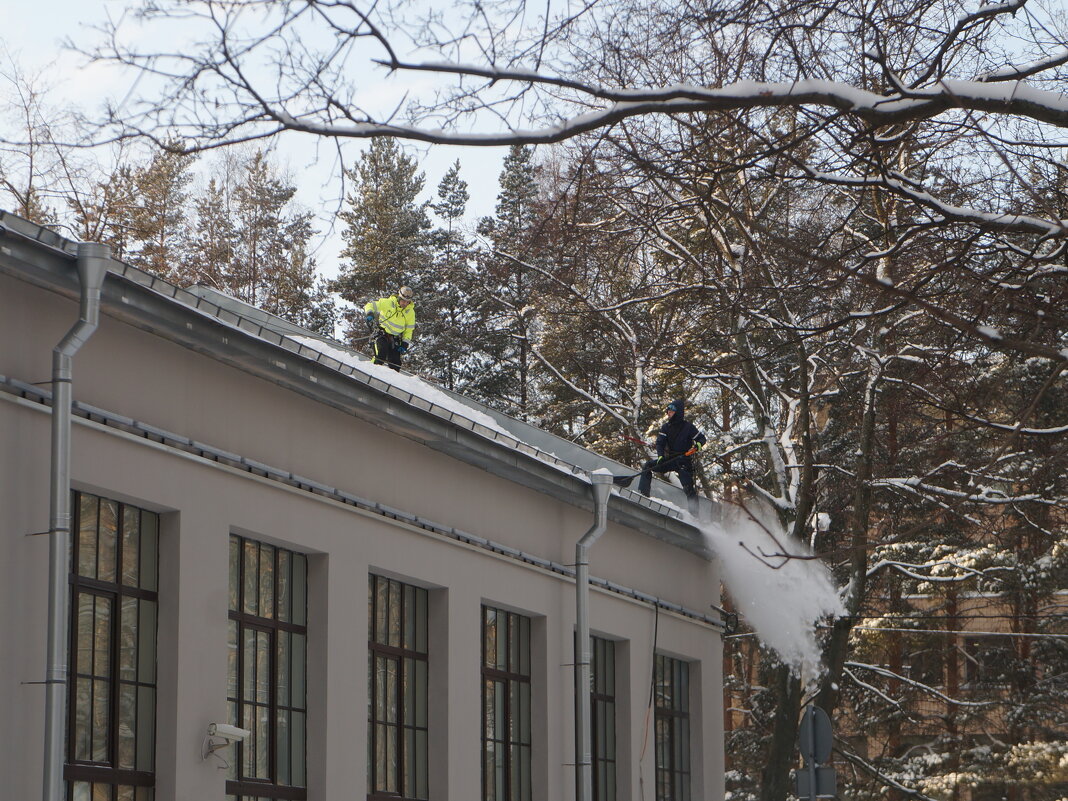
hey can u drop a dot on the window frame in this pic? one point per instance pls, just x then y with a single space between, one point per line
673 719
400 655
114 591
600 648
513 679
237 784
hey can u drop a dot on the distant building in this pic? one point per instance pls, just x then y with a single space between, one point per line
372 576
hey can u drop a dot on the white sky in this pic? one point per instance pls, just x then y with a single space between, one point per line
33 33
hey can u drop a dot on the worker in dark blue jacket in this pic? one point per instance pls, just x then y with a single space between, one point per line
677 442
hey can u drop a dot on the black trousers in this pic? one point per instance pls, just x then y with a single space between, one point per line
682 465
386 350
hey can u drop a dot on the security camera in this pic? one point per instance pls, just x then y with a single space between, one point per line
228 732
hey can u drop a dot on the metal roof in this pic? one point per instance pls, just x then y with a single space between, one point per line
264 345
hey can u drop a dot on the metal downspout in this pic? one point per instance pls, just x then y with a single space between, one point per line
602 486
92 266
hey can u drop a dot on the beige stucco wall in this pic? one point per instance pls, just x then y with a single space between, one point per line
142 376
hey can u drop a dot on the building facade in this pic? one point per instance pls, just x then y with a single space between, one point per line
371 577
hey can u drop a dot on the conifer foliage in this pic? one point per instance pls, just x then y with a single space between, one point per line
386 231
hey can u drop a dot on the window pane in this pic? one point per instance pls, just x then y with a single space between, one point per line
524 711
408 762
408 640
231 662
395 613
420 692
84 657
488 771
300 589
610 731
235 572
504 635
489 709
500 730
263 667
128 639
82 725
284 668
107 555
421 754
381 610
282 747
371 580
285 579
266 605
684 687
524 646
392 691
263 741
298 748
421 621
498 771
299 675
489 637
408 692
88 506
131 541
101 720
251 583
102 637
248 656
146 728
127 726
149 573
515 776
146 642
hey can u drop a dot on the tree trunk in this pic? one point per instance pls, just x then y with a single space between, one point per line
775 782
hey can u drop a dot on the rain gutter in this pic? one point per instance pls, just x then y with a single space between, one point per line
92 267
602 487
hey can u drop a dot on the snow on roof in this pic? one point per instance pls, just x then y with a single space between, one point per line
405 381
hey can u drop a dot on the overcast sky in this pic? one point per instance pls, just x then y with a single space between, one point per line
33 32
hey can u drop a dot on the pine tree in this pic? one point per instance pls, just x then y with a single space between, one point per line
385 232
210 249
449 324
249 241
156 221
509 282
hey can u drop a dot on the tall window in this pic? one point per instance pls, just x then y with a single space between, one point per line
505 706
397 690
267 687
111 705
671 679
603 718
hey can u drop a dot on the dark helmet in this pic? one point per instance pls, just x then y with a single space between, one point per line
678 406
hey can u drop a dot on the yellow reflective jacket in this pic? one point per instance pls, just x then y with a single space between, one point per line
391 317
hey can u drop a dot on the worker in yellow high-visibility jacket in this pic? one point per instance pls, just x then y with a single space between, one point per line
395 318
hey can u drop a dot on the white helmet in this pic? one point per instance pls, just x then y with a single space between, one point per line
405 293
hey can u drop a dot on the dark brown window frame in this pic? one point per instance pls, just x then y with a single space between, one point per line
398 654
88 770
601 793
246 786
669 715
508 677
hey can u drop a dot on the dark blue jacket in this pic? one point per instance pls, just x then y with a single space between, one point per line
678 434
